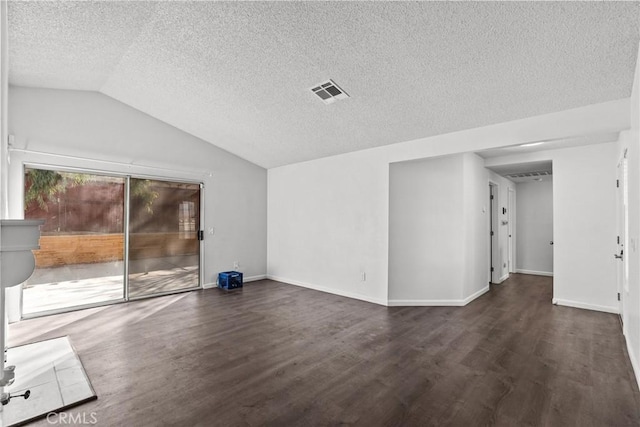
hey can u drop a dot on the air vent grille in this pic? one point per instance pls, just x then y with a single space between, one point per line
529 174
329 92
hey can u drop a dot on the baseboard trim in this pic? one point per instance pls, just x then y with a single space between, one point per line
477 294
327 290
535 273
634 361
501 279
425 303
437 302
594 307
244 280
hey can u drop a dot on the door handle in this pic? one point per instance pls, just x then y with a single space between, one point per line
618 256
551 242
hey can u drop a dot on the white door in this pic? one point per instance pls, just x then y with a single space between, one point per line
622 236
511 216
494 251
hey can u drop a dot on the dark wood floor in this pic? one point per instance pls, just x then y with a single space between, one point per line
280 355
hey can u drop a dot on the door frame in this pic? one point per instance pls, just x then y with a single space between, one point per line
494 233
199 232
511 230
622 237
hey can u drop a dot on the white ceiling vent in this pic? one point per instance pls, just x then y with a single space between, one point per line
528 174
329 92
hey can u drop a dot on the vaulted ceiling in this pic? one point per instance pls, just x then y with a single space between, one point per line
238 74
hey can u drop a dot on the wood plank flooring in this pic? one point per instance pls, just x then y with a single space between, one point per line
279 355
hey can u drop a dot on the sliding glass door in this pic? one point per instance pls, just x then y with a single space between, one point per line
164 250
81 256
109 238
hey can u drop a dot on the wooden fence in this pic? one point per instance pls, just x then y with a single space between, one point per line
56 251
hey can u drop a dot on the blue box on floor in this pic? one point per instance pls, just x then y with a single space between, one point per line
230 280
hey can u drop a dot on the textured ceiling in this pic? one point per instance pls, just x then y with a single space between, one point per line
237 74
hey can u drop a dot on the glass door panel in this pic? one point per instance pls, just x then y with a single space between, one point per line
164 250
80 261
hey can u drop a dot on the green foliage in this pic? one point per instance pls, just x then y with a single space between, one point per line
43 186
141 189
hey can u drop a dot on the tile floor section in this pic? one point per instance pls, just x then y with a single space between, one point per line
53 373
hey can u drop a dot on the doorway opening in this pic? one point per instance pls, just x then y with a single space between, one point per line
525 217
530 217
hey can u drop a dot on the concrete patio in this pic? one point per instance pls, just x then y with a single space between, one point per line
56 288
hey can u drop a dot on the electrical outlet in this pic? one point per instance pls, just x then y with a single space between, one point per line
236 265
212 231
363 276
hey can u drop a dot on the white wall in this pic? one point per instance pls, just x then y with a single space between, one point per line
584 217
534 204
631 141
427 231
584 212
4 86
328 224
4 96
328 219
97 130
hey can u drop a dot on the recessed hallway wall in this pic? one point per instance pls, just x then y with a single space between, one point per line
534 227
438 214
